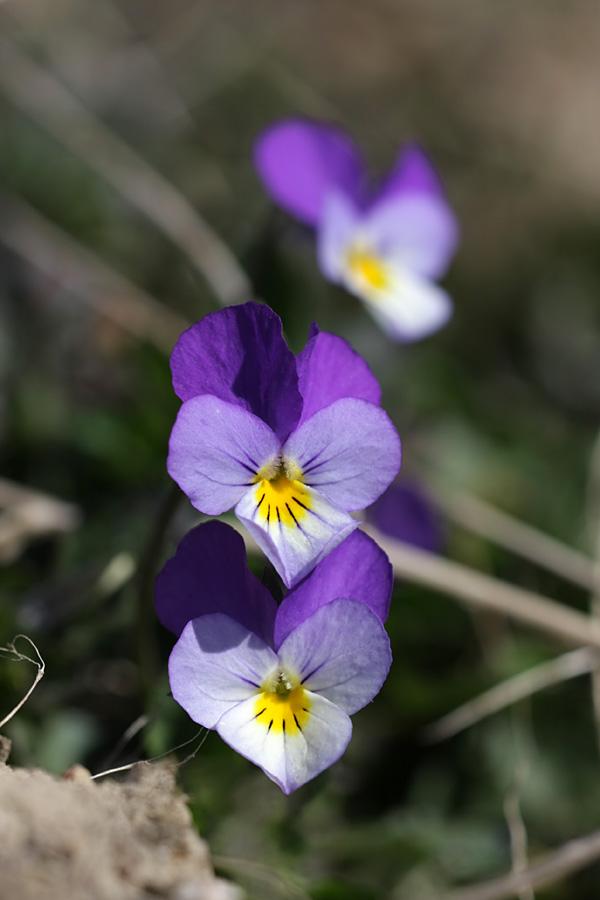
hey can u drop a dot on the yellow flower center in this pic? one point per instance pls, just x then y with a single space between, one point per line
283 706
280 495
367 268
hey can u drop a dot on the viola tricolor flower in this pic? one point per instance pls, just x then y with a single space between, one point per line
293 443
277 683
387 246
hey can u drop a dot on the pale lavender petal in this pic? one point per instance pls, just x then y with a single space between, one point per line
418 232
341 652
349 451
413 172
406 513
290 760
215 451
208 574
329 369
294 536
300 161
216 664
339 227
357 569
409 307
239 355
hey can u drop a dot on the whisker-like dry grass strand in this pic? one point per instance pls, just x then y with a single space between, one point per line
149 762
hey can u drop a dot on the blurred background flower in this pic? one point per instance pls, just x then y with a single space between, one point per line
407 513
386 242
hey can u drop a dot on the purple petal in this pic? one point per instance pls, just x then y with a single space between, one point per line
239 355
405 513
413 172
215 451
208 574
300 161
329 369
349 451
341 652
290 760
294 536
216 664
357 569
419 232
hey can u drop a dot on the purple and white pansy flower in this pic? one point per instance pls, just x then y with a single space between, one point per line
292 443
279 684
387 246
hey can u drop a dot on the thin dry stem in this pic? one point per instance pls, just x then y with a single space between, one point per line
17 656
512 690
489 522
552 867
484 592
40 95
516 828
134 729
593 513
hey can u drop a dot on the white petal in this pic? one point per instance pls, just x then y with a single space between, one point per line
215 664
292 756
295 527
408 307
